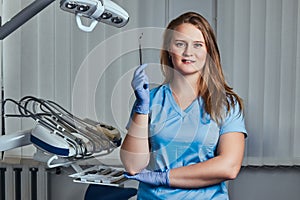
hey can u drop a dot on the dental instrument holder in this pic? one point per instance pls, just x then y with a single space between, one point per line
100 175
58 132
51 143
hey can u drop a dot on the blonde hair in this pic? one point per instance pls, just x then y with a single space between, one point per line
213 88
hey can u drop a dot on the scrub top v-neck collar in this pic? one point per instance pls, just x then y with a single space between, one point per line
176 107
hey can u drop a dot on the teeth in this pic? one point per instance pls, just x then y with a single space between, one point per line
187 61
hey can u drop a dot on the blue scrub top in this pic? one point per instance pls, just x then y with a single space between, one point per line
184 137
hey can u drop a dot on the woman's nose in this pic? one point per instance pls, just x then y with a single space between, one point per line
187 51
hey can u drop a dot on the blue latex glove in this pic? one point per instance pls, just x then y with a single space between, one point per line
152 178
140 85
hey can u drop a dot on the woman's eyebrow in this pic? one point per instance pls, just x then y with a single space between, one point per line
183 40
199 41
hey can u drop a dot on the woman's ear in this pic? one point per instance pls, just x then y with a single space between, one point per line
169 54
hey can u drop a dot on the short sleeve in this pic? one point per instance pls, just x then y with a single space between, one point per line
234 122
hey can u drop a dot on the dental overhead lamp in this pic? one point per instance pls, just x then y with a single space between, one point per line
105 11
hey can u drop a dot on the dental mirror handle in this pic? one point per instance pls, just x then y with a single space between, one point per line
140 54
140 50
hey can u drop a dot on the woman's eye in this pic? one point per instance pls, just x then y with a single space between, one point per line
180 44
198 45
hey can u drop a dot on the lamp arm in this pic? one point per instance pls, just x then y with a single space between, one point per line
23 16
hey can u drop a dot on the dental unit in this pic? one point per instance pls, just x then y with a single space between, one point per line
63 139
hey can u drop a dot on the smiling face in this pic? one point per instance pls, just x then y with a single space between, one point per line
188 49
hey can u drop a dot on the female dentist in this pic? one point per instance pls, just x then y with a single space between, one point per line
186 136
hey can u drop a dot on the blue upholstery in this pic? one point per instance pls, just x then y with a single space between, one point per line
103 192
